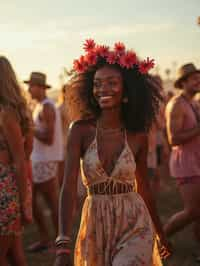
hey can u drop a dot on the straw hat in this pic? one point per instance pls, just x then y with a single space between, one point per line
37 78
184 72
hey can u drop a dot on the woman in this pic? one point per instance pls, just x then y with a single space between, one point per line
116 228
15 146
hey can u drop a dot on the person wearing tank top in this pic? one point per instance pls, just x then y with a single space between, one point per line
47 152
183 129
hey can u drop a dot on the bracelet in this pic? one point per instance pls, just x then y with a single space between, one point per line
62 240
63 245
61 251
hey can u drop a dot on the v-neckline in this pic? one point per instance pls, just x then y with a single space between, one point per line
117 160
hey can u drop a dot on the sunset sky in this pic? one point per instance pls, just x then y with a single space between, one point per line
46 35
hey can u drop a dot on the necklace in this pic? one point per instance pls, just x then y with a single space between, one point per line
108 130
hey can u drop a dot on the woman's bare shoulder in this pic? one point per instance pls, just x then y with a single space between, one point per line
81 126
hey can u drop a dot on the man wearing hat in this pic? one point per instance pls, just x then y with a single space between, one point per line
47 152
183 129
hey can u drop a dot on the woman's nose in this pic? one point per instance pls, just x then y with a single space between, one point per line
104 86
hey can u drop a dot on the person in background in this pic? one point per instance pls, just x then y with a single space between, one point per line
47 152
15 125
183 129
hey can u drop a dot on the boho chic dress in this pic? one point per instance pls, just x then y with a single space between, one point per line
116 229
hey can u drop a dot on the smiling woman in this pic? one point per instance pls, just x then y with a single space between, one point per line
114 92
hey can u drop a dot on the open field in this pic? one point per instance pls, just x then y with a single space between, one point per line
168 203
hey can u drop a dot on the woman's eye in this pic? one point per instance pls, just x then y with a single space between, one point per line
112 83
97 84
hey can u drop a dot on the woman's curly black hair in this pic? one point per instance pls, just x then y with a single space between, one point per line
141 90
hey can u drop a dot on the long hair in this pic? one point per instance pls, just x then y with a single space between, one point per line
11 95
141 90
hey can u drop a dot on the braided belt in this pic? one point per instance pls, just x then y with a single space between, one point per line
110 188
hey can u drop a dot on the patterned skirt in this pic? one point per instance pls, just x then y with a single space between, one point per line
10 219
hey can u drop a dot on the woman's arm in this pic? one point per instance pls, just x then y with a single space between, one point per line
68 194
48 116
13 134
28 143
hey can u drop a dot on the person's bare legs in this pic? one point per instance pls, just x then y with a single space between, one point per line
51 194
190 194
61 166
16 253
5 243
196 230
3 261
49 191
38 214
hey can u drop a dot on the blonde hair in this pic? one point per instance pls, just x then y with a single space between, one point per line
11 94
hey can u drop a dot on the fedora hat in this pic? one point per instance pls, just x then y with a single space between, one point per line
183 72
37 78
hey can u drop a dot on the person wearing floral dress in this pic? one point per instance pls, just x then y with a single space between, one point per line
15 148
119 221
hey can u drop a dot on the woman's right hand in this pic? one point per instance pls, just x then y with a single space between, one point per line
63 260
165 248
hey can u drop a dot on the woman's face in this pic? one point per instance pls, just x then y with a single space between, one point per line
108 87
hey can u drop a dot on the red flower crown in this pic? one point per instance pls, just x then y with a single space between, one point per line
119 55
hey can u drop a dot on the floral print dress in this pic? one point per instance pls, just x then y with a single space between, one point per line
10 217
115 230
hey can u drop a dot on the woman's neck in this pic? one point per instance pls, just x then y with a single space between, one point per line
110 118
187 95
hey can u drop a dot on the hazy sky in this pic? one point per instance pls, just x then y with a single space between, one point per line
46 35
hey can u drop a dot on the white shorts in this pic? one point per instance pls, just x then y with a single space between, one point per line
44 171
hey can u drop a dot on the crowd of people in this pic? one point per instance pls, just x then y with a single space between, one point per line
105 148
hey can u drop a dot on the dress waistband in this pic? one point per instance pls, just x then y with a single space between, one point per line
110 188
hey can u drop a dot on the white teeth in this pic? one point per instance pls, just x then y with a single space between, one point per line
105 97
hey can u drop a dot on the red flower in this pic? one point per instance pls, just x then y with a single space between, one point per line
128 59
102 50
91 58
146 65
119 48
80 65
89 45
112 57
